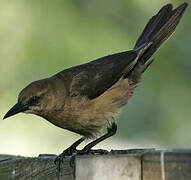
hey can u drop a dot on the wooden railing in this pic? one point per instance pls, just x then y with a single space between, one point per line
137 164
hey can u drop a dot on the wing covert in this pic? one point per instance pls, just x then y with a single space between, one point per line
94 78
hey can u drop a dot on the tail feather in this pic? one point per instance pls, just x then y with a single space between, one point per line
157 31
154 24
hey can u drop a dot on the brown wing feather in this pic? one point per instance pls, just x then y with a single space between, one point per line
94 78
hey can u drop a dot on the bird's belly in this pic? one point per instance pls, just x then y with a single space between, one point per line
87 117
83 125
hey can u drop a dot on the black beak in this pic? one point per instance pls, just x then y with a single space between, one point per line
17 108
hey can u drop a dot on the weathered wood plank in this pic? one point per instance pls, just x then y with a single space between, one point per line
43 168
123 167
118 164
167 165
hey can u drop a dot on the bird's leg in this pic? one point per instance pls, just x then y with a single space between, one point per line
110 132
87 149
70 150
67 152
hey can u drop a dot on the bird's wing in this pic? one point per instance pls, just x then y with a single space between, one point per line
94 78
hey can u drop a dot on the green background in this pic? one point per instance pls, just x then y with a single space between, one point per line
41 37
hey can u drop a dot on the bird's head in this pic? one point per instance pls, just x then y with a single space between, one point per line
32 99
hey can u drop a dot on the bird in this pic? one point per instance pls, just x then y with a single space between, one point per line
87 98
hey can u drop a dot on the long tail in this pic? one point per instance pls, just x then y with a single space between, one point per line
159 28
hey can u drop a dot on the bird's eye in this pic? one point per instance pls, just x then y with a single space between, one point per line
33 100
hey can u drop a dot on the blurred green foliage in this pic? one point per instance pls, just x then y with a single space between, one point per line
40 38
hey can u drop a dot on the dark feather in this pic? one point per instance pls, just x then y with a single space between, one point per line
94 78
158 30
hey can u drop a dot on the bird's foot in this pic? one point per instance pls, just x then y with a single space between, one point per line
92 151
58 160
87 152
73 153
60 157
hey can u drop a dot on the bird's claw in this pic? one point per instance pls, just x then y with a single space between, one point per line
86 152
92 151
58 160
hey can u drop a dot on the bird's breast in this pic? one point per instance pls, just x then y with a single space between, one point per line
87 116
